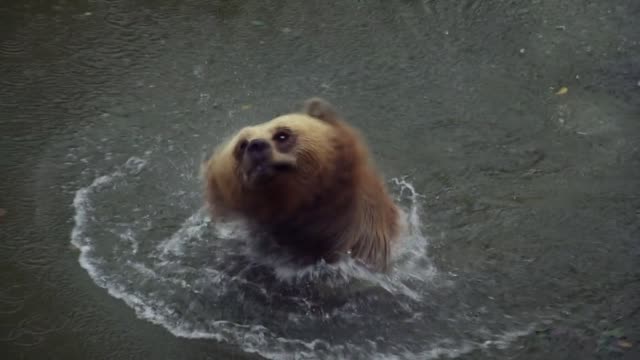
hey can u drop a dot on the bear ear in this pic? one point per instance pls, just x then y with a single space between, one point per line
321 109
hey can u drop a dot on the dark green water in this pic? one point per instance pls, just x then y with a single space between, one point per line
527 219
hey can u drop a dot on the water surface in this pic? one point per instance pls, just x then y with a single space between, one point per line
524 199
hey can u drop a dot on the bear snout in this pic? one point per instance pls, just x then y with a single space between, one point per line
258 150
256 162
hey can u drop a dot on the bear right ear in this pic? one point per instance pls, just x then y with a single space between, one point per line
321 109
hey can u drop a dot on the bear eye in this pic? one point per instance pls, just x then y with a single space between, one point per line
281 136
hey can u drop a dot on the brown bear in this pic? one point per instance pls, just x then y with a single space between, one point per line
307 181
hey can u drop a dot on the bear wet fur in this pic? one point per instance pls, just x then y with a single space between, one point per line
306 180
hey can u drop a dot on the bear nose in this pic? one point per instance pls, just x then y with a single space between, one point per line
258 149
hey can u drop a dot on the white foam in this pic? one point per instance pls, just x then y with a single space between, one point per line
192 228
129 236
135 164
448 349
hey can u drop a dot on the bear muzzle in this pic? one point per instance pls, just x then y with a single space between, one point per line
256 161
261 162
258 150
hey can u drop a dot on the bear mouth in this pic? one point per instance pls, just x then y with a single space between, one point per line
262 172
282 167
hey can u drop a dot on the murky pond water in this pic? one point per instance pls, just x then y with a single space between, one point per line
509 131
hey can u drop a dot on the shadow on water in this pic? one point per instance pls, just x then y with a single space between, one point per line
516 124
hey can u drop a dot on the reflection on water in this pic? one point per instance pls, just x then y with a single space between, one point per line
525 231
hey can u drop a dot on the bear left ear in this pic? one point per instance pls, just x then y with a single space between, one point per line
321 109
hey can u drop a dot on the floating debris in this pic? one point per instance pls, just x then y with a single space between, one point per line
624 344
562 91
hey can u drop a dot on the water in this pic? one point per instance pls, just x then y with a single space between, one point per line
522 203
201 280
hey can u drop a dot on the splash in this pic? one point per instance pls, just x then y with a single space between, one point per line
199 279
